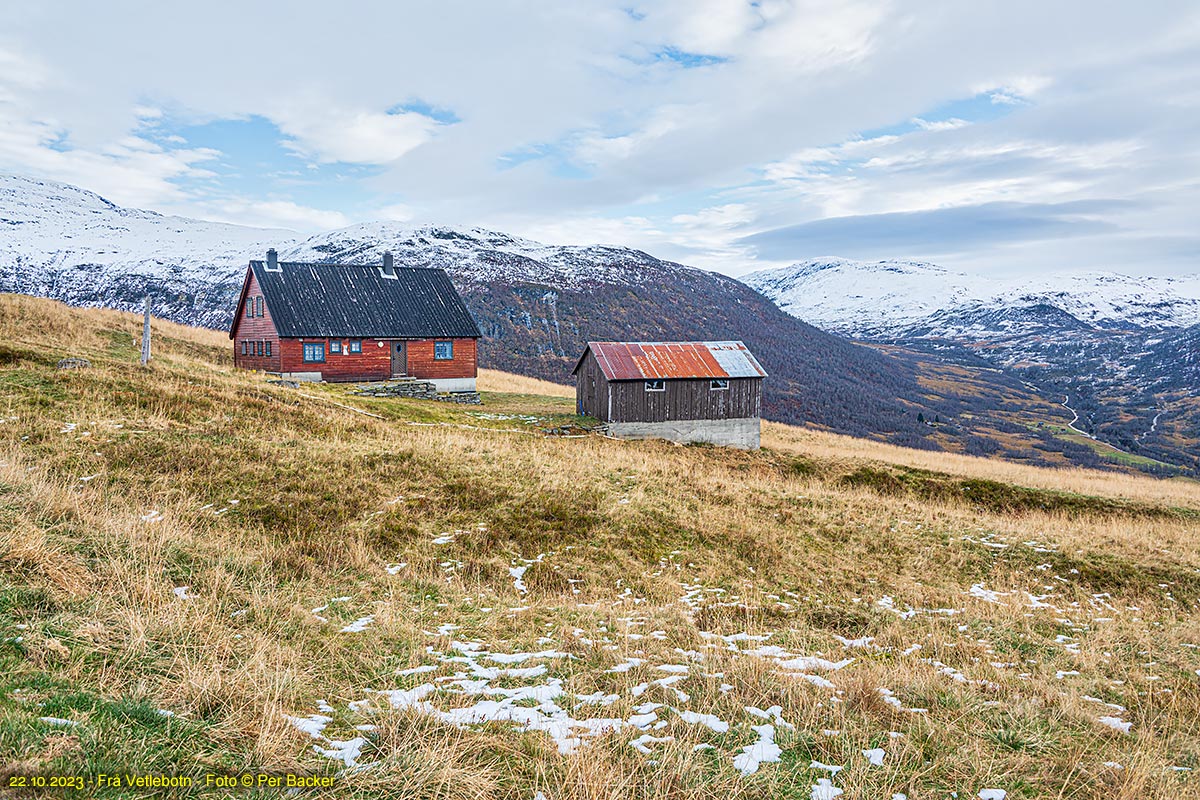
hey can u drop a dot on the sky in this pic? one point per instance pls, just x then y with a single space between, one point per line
999 137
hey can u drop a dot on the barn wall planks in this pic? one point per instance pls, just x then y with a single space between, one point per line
422 364
685 399
591 389
628 401
253 331
375 361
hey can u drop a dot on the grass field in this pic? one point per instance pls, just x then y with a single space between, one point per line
202 574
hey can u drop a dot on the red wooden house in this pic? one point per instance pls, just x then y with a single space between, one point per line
333 322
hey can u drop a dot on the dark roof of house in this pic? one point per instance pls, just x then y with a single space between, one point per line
361 301
635 361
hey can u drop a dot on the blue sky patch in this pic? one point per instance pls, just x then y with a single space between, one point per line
682 58
256 164
977 109
442 116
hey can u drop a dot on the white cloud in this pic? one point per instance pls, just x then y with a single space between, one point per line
397 212
632 231
275 214
1101 102
941 124
354 137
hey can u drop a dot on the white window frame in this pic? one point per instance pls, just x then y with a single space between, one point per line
656 386
718 385
335 346
355 346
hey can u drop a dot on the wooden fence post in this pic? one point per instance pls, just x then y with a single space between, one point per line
146 334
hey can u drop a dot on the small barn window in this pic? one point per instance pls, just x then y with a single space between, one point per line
335 347
443 351
267 348
356 345
258 306
249 307
656 386
258 348
718 386
314 352
243 347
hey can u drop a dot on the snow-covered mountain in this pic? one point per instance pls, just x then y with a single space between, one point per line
891 298
477 255
61 241
537 304
1122 347
57 240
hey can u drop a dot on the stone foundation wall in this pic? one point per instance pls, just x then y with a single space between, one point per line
415 389
740 433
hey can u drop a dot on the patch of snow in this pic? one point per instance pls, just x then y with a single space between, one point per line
710 721
761 752
824 789
347 752
1116 723
875 756
815 664
830 768
312 725
59 722
416 670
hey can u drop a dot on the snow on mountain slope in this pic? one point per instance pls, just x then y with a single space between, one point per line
887 298
477 255
65 242
57 240
58 224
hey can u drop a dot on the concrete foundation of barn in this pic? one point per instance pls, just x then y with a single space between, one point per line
741 433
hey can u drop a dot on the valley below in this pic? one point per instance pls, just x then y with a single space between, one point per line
1118 353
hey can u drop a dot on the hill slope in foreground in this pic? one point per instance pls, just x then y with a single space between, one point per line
202 573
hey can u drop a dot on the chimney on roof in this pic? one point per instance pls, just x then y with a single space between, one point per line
272 259
389 267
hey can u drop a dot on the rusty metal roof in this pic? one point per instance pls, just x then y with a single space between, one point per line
631 361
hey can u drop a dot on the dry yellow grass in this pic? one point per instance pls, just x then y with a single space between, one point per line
1183 492
491 380
1028 621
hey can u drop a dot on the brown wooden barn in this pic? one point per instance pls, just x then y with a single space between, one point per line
336 322
682 391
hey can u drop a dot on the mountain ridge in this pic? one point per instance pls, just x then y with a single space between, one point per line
868 299
1122 346
536 305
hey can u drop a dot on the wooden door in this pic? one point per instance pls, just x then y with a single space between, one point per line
399 359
